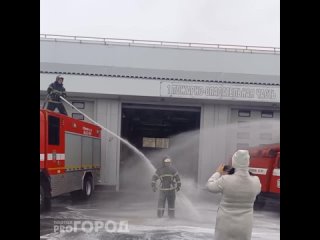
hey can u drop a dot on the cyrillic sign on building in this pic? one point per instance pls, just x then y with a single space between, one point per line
256 93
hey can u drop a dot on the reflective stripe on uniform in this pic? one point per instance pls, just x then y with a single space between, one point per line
52 101
166 189
172 209
166 175
160 208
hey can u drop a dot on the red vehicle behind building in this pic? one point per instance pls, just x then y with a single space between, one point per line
69 156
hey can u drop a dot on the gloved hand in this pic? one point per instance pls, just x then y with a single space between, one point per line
154 188
178 189
54 91
55 95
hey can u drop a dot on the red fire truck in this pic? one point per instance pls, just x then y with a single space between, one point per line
265 163
69 157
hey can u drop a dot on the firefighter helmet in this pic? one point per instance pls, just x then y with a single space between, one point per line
59 77
166 161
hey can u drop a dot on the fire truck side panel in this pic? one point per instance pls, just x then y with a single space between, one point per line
87 153
73 151
79 158
96 153
58 184
96 159
67 182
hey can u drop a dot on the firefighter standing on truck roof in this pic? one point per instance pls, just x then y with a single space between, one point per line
169 184
55 90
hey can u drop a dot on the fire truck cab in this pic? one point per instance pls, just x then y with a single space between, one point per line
69 157
265 163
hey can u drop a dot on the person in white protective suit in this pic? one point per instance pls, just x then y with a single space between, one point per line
239 190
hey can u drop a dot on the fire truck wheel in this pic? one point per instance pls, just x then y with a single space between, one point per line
45 202
87 187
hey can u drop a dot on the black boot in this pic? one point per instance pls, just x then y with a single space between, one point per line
160 213
171 213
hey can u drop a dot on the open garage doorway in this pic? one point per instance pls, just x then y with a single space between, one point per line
158 131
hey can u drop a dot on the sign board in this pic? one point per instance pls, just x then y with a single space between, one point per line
239 92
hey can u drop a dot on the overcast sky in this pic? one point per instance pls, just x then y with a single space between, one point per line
241 22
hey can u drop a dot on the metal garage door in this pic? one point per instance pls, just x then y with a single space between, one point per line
251 128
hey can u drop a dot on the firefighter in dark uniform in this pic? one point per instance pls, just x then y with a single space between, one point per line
55 90
169 184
